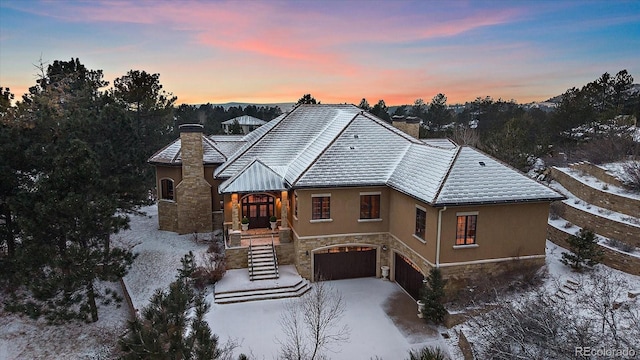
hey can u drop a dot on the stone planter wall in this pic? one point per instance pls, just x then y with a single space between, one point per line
597 197
597 172
601 225
611 258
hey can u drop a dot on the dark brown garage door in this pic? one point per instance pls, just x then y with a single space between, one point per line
345 263
408 276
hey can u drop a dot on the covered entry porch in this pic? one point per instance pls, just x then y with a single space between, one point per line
252 198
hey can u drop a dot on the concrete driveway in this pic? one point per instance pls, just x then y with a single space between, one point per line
381 316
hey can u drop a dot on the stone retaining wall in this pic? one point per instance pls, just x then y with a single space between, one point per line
168 215
611 258
601 225
237 257
597 197
597 172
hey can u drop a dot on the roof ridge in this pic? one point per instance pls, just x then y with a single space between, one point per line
390 127
335 138
395 166
446 176
248 146
160 151
212 143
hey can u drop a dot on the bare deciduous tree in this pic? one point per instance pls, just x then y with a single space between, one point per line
312 325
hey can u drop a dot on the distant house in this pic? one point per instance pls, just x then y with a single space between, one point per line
247 124
351 194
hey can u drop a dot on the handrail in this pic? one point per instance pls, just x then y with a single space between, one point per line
275 257
251 257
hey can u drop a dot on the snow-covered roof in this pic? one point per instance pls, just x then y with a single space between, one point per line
171 154
255 177
317 146
245 120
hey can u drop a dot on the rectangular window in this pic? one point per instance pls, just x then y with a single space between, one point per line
167 189
321 206
421 223
466 230
369 206
295 204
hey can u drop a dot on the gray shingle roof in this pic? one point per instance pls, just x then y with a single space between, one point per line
171 154
494 182
339 145
245 120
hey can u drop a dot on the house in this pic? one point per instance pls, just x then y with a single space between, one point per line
247 124
353 194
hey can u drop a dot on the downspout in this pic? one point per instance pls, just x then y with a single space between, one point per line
439 233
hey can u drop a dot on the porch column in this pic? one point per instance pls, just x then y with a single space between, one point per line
284 209
235 212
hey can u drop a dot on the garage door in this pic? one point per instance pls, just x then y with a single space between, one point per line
407 276
345 262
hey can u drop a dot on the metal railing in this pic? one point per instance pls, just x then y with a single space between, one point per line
250 260
275 257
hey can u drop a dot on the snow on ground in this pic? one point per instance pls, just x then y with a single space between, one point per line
159 253
578 203
597 184
24 338
255 325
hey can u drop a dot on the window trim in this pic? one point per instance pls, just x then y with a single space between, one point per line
415 234
466 215
162 189
371 219
321 219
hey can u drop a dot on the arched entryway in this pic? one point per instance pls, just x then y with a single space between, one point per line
258 208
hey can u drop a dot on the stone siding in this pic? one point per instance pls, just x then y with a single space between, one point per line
411 128
193 192
460 276
601 225
597 172
238 257
218 220
168 215
597 197
611 258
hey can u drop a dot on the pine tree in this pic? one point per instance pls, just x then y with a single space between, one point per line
166 331
433 297
585 250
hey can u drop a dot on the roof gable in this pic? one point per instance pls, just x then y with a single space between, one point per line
255 177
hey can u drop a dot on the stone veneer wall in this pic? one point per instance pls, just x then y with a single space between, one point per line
460 276
193 192
601 225
611 258
218 220
168 215
597 197
411 128
597 172
237 257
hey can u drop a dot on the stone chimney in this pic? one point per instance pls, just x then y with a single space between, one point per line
408 124
193 192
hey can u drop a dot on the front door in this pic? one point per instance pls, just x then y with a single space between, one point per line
258 208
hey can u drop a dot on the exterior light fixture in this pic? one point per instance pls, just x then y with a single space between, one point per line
384 248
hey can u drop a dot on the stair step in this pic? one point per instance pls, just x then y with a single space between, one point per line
572 282
296 290
262 270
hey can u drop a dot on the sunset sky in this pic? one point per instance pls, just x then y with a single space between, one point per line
339 51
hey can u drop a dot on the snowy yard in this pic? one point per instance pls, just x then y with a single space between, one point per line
374 332
380 315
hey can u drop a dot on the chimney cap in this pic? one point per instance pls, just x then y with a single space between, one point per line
191 128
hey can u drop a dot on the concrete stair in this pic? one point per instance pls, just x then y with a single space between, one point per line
566 291
263 263
265 293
